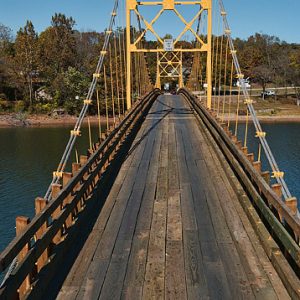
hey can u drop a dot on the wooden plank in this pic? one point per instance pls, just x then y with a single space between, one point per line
229 255
123 241
261 255
133 284
216 280
102 254
260 281
134 280
174 224
155 268
117 269
175 286
87 253
196 281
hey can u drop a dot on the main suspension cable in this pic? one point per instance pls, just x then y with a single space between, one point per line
277 174
76 131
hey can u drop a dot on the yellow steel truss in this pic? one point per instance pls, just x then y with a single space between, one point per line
169 64
135 45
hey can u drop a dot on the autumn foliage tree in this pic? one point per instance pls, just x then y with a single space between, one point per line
60 61
26 59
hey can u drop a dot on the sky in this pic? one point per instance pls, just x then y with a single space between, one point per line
273 17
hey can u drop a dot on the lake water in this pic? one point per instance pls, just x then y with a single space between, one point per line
28 156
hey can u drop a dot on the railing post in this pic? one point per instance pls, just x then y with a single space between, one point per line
21 224
83 160
250 157
40 204
292 203
245 150
75 169
277 188
239 144
56 188
266 176
257 166
66 178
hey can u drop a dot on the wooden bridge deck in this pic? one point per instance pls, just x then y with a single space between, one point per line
172 226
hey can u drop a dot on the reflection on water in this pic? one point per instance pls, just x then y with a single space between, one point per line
28 156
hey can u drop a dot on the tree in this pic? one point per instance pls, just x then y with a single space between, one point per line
73 89
88 47
6 49
26 59
57 47
294 70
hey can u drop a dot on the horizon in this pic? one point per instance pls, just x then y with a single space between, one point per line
15 13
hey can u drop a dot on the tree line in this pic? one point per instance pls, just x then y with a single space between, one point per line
53 69
50 69
266 59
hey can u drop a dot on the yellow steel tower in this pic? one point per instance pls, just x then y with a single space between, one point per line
133 46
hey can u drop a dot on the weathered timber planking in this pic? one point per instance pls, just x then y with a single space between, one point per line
175 285
80 266
101 258
155 268
113 282
127 165
180 234
256 275
97 259
217 281
229 208
266 239
133 284
235 273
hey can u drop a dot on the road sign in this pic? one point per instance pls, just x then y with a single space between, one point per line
168 45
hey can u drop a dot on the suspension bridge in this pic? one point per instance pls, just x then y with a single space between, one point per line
173 200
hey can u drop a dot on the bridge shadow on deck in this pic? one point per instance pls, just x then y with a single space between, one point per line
173 228
84 225
81 230
166 112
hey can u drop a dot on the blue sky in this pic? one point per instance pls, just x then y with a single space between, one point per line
275 17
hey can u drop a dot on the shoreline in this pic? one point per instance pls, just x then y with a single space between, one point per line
269 119
10 120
